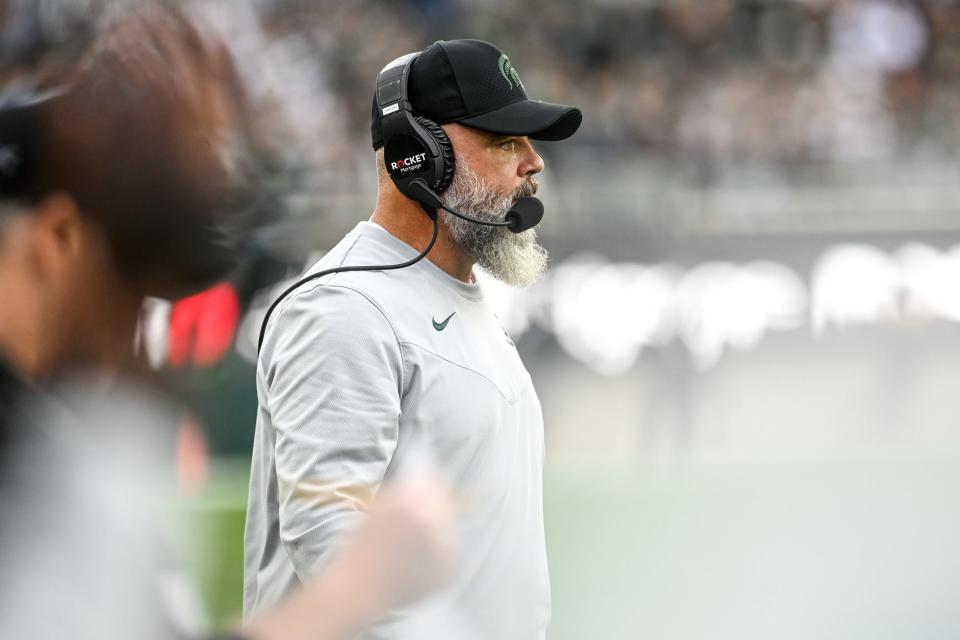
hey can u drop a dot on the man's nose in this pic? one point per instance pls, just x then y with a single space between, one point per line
532 163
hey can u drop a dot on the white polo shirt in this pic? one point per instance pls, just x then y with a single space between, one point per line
354 368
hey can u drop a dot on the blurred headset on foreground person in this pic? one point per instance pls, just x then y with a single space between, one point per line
134 171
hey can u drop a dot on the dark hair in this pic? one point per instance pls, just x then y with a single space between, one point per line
151 135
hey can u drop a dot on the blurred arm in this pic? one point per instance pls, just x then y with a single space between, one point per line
402 551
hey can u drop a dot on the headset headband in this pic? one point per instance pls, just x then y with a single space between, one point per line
392 81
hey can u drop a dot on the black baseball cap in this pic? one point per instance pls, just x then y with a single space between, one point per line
474 83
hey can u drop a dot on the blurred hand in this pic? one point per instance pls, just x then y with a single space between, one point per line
406 546
402 551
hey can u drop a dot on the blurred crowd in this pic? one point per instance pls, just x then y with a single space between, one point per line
715 82
718 80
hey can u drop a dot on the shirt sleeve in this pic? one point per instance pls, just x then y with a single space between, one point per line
334 378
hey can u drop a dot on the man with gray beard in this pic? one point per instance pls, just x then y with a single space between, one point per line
362 371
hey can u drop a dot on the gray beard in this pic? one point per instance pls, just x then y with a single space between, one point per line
514 258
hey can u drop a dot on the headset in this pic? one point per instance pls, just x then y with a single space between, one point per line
419 159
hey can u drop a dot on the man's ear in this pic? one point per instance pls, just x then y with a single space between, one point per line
59 235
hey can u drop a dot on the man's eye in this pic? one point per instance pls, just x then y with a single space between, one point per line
507 145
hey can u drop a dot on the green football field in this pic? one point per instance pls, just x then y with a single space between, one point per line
839 549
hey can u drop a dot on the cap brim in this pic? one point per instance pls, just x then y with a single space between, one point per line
537 120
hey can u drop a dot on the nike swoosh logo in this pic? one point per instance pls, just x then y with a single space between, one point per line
440 326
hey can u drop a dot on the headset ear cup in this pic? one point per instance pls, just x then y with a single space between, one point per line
448 162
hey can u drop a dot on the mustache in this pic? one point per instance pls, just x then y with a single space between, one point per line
526 190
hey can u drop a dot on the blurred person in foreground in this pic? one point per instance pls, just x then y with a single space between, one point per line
357 369
126 174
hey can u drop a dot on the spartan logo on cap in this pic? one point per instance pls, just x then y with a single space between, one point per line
509 73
